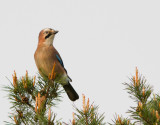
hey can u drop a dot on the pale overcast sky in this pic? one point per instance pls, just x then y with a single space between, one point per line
101 42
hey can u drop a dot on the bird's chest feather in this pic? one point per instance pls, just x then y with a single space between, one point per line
45 60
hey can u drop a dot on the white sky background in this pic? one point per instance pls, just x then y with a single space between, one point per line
101 42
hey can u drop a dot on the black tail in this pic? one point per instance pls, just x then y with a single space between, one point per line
72 94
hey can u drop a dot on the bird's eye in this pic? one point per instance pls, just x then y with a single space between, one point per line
47 32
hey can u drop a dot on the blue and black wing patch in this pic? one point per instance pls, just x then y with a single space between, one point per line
60 60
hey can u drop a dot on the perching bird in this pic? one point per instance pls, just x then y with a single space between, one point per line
45 57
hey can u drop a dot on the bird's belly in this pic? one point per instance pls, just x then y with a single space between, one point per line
46 66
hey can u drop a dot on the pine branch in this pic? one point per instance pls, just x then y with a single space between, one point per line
31 99
88 115
121 121
147 110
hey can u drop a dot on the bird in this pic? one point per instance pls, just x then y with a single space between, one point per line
46 55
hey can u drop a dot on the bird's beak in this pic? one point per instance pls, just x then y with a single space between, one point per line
55 32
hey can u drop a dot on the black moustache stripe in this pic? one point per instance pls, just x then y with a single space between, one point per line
48 36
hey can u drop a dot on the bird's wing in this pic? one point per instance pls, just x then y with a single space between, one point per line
61 62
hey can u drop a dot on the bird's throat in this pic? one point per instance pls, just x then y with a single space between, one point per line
49 41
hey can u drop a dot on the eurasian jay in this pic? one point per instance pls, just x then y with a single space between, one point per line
46 55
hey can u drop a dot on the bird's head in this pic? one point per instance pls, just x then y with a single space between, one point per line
46 36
